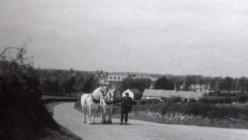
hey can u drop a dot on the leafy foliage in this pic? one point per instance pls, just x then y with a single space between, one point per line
22 115
66 82
195 108
164 83
139 83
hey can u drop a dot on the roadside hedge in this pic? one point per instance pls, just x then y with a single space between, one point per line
224 99
198 109
22 115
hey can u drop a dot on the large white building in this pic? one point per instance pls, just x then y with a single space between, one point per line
117 78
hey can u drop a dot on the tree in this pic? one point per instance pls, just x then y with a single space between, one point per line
22 114
226 85
69 85
135 83
242 84
90 83
164 83
80 83
50 85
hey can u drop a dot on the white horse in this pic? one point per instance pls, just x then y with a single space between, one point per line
107 106
91 103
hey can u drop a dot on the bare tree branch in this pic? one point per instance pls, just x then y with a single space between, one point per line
19 55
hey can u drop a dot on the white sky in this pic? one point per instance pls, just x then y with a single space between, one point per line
207 37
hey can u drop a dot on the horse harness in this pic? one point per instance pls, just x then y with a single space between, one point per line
94 99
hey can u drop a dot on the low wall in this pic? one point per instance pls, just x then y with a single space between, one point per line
51 101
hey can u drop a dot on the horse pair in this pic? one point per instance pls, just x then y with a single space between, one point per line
101 99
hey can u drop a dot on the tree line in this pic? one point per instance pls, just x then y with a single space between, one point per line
69 82
220 85
66 82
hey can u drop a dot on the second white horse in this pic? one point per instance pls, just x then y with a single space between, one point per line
107 106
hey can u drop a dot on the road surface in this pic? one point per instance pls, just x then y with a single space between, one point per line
70 118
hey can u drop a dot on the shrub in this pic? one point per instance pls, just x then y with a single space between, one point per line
217 99
242 98
22 115
148 101
224 99
198 109
174 100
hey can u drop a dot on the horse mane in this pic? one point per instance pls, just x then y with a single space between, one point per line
97 91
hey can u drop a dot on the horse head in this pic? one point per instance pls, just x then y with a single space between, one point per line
104 91
110 95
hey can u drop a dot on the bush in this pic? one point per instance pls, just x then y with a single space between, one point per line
217 99
198 109
242 98
174 100
148 101
224 99
22 115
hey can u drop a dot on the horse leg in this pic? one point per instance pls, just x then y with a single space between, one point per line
110 113
110 117
84 113
90 116
84 116
103 115
94 117
107 117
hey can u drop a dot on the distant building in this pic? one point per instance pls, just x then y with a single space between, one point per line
161 94
199 88
133 93
146 77
116 78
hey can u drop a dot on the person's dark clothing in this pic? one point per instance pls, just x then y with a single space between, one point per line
126 107
124 115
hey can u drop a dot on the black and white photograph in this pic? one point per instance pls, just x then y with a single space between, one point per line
123 69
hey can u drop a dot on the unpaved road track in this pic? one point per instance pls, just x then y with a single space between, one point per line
70 118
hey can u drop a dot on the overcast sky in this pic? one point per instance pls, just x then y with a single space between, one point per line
208 37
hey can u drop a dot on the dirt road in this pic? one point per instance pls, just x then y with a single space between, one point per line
70 118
